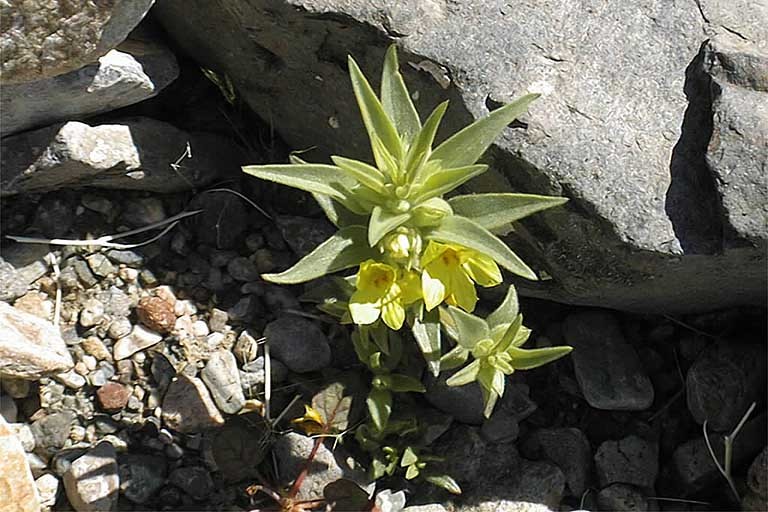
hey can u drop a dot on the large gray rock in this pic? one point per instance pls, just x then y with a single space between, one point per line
44 38
621 129
137 70
136 154
92 481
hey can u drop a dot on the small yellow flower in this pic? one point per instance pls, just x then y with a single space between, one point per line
311 423
449 273
382 293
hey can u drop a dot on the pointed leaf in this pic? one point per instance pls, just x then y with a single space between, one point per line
446 180
405 384
507 310
346 495
444 482
446 321
527 359
347 248
510 334
382 222
421 148
466 375
409 457
427 335
412 472
469 327
379 404
333 406
456 357
395 98
318 178
499 209
376 121
460 230
469 144
365 174
521 337
489 401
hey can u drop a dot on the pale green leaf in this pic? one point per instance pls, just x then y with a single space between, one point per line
521 337
383 221
466 375
422 146
333 406
395 98
454 358
379 404
376 121
510 334
405 384
527 359
462 231
444 482
409 457
319 178
426 332
507 310
346 248
448 324
496 210
469 144
336 213
411 473
445 180
365 174
469 327
489 401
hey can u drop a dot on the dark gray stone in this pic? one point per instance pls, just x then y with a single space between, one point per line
622 498
568 448
303 234
239 447
223 221
631 460
133 154
193 480
642 226
20 266
92 481
141 476
298 343
757 476
464 403
12 286
722 383
242 269
126 257
607 367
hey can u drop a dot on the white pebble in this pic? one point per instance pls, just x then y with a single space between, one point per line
200 328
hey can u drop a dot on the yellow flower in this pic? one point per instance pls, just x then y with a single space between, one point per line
311 423
448 274
382 293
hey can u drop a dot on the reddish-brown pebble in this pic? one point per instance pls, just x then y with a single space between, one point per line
113 396
157 314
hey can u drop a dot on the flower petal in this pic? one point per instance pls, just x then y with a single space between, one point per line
483 270
463 291
393 314
433 290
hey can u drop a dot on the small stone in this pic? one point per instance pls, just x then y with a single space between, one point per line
143 211
134 404
223 380
298 343
246 347
119 328
51 432
8 409
92 313
568 448
77 433
193 480
200 328
100 265
188 407
607 367
218 320
48 489
215 340
723 381
19 492
92 482
139 339
253 373
279 298
113 396
501 427
157 314
242 269
148 278
238 448
71 379
84 273
292 449
174 451
244 310
303 234
631 460
81 368
89 362
129 275
184 307
24 435
30 348
622 498
141 476
264 260
126 257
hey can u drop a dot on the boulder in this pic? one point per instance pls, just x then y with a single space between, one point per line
41 39
136 154
621 129
16 482
136 70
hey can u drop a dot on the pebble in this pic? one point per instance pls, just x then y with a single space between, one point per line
47 489
156 313
193 480
723 381
16 480
188 406
112 396
244 310
128 275
8 409
631 460
290 452
100 265
71 379
90 362
607 367
184 307
463 403
119 328
52 431
92 482
142 211
30 347
243 269
200 328
77 433
139 339
568 448
246 348
218 320
126 257
174 451
148 278
298 343
92 313
622 497
238 447
84 273
223 380
141 476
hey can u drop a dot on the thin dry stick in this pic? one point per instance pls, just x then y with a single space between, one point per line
241 196
267 379
53 261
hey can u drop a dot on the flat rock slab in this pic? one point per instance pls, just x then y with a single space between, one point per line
17 486
607 367
632 460
41 39
188 406
136 71
134 154
298 343
30 347
92 481
621 128
139 339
